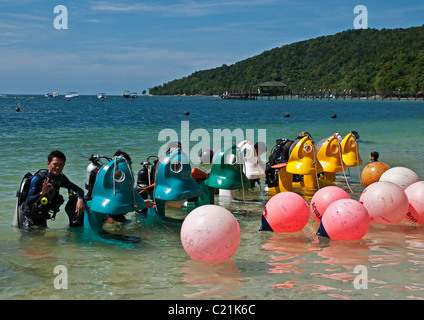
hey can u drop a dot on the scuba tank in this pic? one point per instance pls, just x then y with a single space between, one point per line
146 175
143 175
279 154
92 170
146 179
21 194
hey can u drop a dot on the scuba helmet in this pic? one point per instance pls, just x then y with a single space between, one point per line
173 181
113 191
226 171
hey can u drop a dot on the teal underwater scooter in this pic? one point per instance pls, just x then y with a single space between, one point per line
111 190
112 193
173 182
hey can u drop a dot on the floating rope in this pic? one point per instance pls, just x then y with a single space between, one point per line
343 164
242 177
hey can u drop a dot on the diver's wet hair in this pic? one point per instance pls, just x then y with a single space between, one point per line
56 154
121 153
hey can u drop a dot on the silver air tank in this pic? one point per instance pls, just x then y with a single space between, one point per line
92 170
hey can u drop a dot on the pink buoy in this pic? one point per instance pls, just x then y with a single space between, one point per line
385 201
345 219
415 194
323 198
401 176
210 233
285 212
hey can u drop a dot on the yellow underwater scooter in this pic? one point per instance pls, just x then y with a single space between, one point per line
336 154
302 162
305 163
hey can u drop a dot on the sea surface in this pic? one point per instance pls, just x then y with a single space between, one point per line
266 266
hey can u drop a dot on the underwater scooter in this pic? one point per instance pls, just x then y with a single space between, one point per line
226 173
302 162
306 161
350 151
330 157
168 179
253 168
336 153
112 192
171 178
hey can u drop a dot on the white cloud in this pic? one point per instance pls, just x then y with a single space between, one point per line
27 16
184 8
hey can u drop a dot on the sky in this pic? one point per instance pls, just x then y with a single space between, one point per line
108 46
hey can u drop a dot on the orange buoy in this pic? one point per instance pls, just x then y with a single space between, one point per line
372 172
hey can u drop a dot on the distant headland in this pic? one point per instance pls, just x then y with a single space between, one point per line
364 60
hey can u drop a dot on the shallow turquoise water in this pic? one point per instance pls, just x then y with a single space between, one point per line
266 265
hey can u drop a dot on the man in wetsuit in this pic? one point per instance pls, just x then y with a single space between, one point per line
44 197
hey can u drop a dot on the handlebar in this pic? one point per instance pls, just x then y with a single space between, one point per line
95 158
148 163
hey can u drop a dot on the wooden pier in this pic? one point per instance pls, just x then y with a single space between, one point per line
324 95
267 89
239 95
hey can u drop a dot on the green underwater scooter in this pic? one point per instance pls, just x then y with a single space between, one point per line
226 173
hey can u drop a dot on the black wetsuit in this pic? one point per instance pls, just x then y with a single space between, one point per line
35 213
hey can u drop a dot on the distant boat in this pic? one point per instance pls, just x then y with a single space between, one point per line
54 95
71 95
134 95
126 94
101 95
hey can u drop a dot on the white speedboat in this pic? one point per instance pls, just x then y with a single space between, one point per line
134 95
101 95
71 95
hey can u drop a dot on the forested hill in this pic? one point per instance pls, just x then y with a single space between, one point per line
370 59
